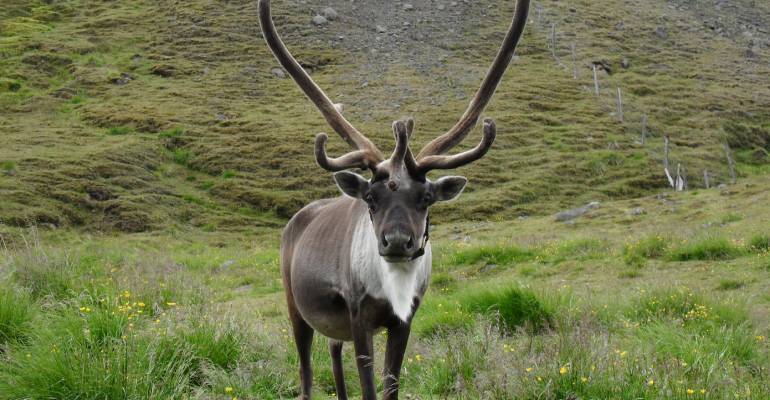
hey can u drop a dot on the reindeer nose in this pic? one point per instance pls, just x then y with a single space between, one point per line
397 241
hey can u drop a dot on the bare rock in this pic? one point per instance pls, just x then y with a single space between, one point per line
625 63
569 215
661 32
123 79
330 13
319 20
278 73
163 70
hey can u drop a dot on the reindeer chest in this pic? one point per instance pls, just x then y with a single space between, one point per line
395 284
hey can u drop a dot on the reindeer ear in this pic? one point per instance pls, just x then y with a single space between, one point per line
351 184
448 187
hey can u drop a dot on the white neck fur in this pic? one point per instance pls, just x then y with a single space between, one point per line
395 282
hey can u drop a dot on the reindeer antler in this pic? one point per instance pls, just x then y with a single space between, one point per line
430 157
367 155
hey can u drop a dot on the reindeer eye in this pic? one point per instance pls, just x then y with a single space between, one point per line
369 199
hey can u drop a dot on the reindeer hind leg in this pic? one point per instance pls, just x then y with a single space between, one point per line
303 338
335 349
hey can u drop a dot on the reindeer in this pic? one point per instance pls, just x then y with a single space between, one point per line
360 263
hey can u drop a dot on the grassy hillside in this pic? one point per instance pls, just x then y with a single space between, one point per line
143 115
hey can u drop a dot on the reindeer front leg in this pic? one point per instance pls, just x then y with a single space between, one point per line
362 341
398 336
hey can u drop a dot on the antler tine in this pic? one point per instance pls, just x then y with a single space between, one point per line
363 159
409 161
402 143
335 119
445 142
428 163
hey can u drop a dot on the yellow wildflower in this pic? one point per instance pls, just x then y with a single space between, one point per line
228 389
650 382
690 392
529 369
563 370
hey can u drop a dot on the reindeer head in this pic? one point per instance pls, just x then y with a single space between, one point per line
399 193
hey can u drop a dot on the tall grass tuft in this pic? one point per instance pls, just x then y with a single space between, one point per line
650 247
65 361
16 313
684 306
514 306
712 248
500 255
219 346
759 243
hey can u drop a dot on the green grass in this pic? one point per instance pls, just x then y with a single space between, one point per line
498 255
711 248
171 133
17 310
181 156
119 130
731 284
145 317
221 348
7 166
512 307
64 361
759 243
654 246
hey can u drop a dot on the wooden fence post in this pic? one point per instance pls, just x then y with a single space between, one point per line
706 181
644 128
596 82
620 106
665 162
680 182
